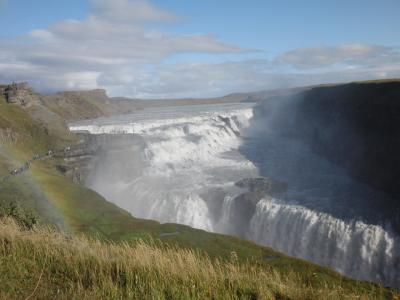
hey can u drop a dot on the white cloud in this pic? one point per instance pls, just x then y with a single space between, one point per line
113 37
116 48
214 79
345 54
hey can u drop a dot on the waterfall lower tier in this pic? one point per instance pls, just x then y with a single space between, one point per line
354 248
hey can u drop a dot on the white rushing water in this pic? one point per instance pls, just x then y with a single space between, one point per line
353 248
183 165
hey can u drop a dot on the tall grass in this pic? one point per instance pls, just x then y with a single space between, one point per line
42 263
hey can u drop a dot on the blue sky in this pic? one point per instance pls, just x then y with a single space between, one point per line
183 48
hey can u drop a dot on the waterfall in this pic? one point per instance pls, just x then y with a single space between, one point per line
184 166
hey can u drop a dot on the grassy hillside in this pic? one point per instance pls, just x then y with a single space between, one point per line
45 195
44 264
21 139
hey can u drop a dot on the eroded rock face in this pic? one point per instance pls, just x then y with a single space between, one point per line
20 93
244 206
81 158
262 185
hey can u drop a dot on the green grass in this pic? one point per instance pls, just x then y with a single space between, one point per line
31 137
44 264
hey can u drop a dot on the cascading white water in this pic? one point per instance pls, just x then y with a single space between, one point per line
353 248
181 154
183 166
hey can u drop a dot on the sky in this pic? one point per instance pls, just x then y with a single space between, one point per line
196 48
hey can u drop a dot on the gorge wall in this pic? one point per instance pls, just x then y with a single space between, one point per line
356 126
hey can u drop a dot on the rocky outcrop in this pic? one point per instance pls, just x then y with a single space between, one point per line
19 93
262 185
81 158
244 205
77 161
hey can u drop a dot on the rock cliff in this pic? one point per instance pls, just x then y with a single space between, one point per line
19 93
356 126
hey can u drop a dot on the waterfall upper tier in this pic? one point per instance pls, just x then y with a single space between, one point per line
150 118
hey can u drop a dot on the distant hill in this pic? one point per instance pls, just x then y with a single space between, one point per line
78 105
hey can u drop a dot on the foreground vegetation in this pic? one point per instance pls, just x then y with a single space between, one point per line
42 263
